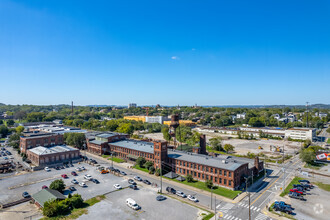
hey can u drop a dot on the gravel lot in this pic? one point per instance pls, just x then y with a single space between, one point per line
114 207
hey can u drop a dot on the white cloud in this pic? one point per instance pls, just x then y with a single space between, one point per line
175 58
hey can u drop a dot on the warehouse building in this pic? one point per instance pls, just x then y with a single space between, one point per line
34 139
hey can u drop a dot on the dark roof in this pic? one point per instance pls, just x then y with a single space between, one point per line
171 175
45 195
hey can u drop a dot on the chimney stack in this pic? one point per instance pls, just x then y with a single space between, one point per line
202 144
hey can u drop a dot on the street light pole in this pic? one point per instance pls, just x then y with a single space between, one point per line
246 185
211 197
215 208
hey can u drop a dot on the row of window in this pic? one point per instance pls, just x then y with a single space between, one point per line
133 152
204 176
203 168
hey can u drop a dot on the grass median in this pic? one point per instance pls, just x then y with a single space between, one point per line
323 186
290 186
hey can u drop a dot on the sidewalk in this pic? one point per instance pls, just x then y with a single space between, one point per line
206 193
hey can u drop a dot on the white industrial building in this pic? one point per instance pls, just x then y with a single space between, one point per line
154 119
301 133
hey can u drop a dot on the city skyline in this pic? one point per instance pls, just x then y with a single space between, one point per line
215 53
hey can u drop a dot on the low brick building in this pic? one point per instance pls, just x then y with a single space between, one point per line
42 156
31 140
99 143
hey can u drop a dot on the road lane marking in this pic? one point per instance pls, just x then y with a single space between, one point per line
270 185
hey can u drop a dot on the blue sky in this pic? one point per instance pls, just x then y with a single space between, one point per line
164 52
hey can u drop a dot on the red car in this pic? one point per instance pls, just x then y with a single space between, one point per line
44 187
296 191
64 176
74 173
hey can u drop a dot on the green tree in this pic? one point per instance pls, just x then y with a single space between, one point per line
10 122
1 121
126 128
307 155
140 161
19 129
328 130
3 131
151 170
209 184
148 164
57 185
166 133
216 143
189 178
228 147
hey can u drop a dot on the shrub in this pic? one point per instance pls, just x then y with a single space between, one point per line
157 173
151 170
209 184
189 178
141 161
57 185
148 164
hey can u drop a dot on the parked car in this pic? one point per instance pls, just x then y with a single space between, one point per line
192 198
64 176
116 170
104 171
72 189
111 168
181 194
88 177
6 158
295 195
26 195
78 169
82 168
57 168
44 187
123 173
132 204
82 184
130 181
74 181
138 178
282 204
133 186
47 169
160 198
170 190
117 186
304 181
95 181
283 209
146 182
297 191
74 173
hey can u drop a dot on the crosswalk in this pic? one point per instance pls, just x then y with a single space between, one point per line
225 208
230 217
246 205
262 217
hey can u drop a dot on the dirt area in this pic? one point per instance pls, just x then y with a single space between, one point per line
22 211
156 136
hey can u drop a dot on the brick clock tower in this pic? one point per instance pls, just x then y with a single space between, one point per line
160 153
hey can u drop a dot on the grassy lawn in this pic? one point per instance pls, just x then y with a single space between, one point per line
116 159
314 166
231 194
323 186
105 156
290 186
328 141
75 213
209 216
201 185
141 168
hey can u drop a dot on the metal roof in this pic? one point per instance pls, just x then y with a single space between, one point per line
206 160
51 150
143 146
106 135
47 194
97 142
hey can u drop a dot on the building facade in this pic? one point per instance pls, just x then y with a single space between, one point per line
42 156
301 133
31 140
99 143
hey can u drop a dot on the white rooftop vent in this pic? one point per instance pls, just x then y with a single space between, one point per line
224 161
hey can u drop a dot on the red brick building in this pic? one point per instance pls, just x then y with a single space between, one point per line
35 139
99 144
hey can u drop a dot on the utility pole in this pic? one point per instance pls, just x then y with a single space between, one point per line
112 159
246 185
307 114
211 197
215 208
161 176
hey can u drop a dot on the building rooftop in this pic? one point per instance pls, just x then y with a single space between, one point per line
106 135
31 135
302 129
218 162
143 146
97 142
45 195
51 150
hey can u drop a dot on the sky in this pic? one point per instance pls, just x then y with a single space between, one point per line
164 52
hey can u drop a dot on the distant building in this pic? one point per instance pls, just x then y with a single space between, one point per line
135 118
58 121
99 143
31 140
301 133
132 105
189 123
48 156
154 119
241 116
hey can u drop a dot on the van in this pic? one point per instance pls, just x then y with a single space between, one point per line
132 204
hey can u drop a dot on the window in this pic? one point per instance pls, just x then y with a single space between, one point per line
202 176
220 172
194 173
225 173
211 170
220 180
225 181
184 171
215 171
229 174
199 167
206 176
211 178
177 169
180 163
229 182
184 163
199 175
215 179
207 169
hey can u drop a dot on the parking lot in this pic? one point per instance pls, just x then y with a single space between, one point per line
115 206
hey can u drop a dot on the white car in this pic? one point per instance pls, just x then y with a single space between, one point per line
82 168
82 184
192 198
88 177
138 178
74 181
181 194
117 186
78 169
47 169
